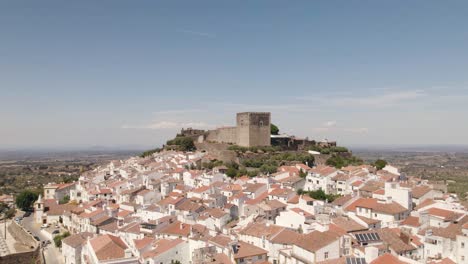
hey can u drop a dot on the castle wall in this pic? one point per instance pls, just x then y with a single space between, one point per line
223 135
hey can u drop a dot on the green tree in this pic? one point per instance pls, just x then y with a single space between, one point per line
274 129
380 164
25 200
302 173
64 200
58 239
231 172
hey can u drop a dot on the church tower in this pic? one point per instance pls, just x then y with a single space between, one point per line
38 210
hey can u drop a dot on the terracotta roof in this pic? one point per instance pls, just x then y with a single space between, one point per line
349 225
444 214
395 240
161 246
387 258
286 237
177 228
108 247
380 192
215 212
247 250
357 183
316 240
375 205
425 203
220 240
142 243
340 201
372 186
258 229
294 199
77 240
411 221
323 170
419 191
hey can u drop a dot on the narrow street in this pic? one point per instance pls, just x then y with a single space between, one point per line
51 253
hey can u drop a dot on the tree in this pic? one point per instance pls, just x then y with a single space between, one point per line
274 129
64 200
26 199
302 173
380 164
58 239
231 172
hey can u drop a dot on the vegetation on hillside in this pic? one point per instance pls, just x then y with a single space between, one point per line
328 150
264 149
182 143
339 161
150 152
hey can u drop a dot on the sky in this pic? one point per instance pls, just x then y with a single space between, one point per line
77 74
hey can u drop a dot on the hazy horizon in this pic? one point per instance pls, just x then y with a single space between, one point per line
123 74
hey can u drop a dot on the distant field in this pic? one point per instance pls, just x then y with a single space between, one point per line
21 170
451 167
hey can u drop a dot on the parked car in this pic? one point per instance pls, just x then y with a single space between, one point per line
27 214
44 225
55 232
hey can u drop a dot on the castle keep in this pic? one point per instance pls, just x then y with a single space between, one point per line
252 129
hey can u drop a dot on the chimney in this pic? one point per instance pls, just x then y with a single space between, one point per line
371 253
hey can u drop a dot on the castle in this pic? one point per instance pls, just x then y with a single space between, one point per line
252 129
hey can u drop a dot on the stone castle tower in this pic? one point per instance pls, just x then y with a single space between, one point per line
253 129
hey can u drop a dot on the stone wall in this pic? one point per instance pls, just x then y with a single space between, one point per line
24 242
33 257
218 151
223 135
21 236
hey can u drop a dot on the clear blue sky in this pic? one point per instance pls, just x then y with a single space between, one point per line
131 73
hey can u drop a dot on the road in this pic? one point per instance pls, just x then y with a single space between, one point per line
51 253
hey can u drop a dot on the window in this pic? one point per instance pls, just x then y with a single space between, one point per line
463 258
325 255
462 245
